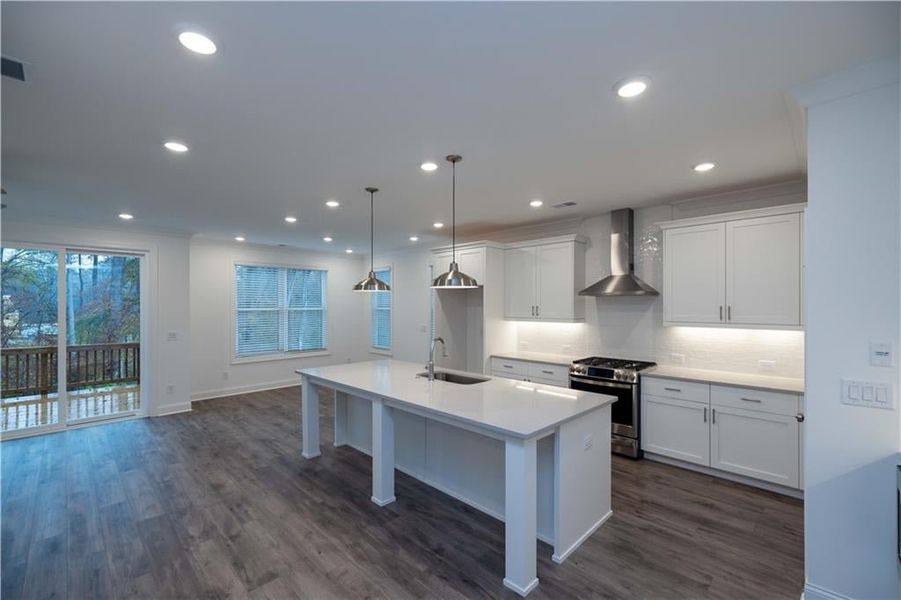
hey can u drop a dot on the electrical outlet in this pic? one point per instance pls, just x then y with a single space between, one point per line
523 345
566 349
881 354
170 389
224 375
172 336
766 366
677 358
588 442
423 329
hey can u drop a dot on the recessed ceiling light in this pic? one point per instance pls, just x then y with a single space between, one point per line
414 238
629 88
239 238
350 250
197 42
126 216
428 167
332 203
327 239
177 147
703 167
536 203
437 224
290 219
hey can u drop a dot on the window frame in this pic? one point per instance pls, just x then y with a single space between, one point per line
375 349
235 358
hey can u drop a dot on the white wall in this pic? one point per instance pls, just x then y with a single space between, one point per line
213 369
852 293
167 309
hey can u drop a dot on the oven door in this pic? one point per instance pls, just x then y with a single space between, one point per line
624 412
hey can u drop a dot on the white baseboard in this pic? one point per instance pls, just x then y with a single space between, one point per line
522 591
559 558
171 409
244 389
764 485
815 592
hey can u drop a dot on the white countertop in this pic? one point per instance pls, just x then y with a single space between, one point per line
751 380
504 406
539 357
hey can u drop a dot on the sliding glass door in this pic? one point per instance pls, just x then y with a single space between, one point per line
70 349
103 335
29 339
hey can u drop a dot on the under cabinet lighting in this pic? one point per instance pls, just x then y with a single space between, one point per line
197 42
126 216
704 167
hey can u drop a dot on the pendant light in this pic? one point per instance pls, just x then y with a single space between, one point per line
454 279
372 283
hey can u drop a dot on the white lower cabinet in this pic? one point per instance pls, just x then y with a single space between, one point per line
675 428
755 444
547 373
748 432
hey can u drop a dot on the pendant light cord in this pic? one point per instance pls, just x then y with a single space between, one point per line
371 232
454 211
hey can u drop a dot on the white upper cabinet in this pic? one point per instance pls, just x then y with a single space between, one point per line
763 270
520 283
735 269
542 280
694 278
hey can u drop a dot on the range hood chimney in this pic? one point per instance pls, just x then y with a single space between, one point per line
622 280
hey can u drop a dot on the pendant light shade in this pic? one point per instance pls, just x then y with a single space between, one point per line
454 279
371 283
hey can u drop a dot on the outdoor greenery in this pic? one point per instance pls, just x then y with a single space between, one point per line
103 298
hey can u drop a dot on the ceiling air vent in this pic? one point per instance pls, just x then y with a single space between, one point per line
12 68
564 204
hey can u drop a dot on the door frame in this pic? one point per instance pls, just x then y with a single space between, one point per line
62 251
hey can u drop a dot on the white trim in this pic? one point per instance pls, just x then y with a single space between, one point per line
734 216
378 502
243 389
172 409
848 82
559 558
519 590
764 485
381 352
467 246
570 237
815 592
268 357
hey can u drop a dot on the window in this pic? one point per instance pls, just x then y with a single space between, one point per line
278 309
380 317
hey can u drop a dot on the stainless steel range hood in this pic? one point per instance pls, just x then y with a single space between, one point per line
622 280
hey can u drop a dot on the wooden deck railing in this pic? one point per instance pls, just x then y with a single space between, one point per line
33 371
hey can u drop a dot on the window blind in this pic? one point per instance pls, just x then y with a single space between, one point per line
380 321
279 309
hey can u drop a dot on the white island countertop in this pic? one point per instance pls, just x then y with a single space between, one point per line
750 380
510 408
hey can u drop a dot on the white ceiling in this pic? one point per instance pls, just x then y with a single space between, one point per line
305 102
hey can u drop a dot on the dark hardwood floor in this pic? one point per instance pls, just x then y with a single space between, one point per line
219 503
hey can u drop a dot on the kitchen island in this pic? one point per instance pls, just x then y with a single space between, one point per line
535 456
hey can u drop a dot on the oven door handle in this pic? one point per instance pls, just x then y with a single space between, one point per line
622 386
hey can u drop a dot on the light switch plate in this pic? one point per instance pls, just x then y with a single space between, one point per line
875 394
172 336
677 358
881 354
766 366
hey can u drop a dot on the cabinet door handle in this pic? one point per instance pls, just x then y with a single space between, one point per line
538 310
721 313
752 400
705 414
547 372
713 416
507 366
673 389
729 313
799 417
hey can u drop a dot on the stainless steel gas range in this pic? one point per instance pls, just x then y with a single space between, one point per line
620 378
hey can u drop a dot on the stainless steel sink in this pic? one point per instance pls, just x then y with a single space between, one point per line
454 377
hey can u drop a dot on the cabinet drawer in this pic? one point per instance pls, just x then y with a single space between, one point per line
509 367
553 374
779 403
673 388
